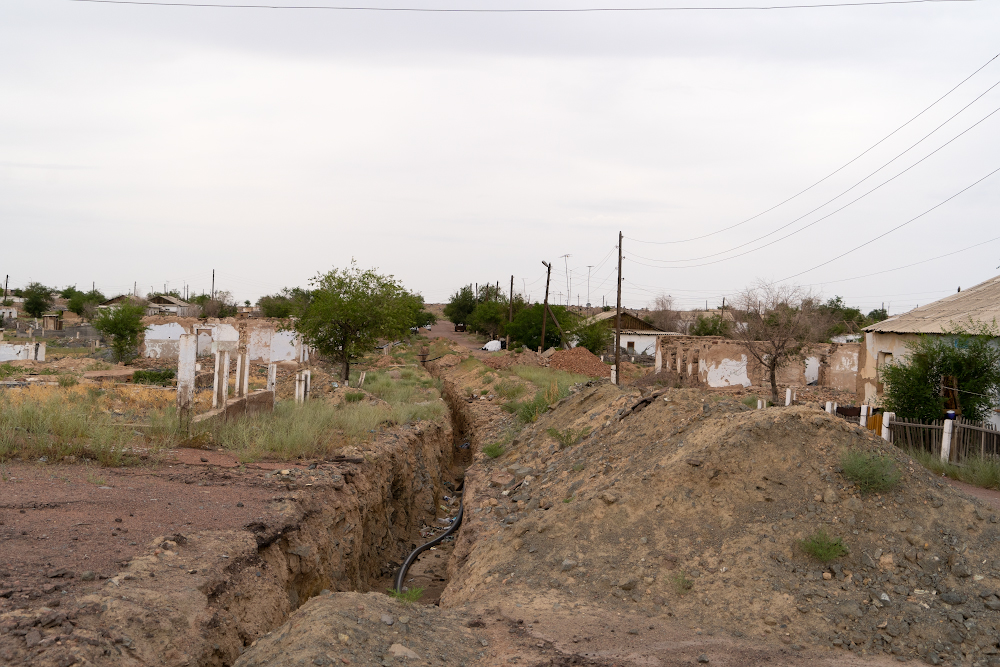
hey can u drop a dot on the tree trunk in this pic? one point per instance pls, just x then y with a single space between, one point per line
773 370
347 369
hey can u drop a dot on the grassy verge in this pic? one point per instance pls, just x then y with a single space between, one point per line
975 470
550 386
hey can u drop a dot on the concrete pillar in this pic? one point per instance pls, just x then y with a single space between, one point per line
829 407
187 352
272 376
949 427
220 391
308 384
887 418
659 358
760 404
788 397
863 419
301 386
614 374
243 362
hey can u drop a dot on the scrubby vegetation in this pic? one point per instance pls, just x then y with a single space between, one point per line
870 472
822 547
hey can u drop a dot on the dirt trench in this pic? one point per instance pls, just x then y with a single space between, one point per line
202 598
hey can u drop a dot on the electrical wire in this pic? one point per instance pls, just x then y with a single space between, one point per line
899 226
834 172
537 10
907 266
818 220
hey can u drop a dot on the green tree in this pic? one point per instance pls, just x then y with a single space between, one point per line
877 315
37 299
285 303
79 301
69 292
713 325
598 337
913 385
489 318
122 324
526 328
460 305
351 310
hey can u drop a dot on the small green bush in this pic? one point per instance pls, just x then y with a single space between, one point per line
162 377
568 437
509 389
871 472
681 583
68 381
493 450
822 547
354 396
409 596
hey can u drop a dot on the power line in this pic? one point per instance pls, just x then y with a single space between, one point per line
907 266
540 10
869 242
818 220
836 171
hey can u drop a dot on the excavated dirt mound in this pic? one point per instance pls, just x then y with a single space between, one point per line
371 629
580 360
501 360
693 507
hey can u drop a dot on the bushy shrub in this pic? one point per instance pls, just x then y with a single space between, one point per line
822 547
870 472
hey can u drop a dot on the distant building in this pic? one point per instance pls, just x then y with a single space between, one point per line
8 313
637 336
161 304
886 341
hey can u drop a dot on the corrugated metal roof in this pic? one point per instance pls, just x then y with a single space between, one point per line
981 304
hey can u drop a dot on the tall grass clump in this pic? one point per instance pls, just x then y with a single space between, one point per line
509 389
872 473
822 547
48 424
975 470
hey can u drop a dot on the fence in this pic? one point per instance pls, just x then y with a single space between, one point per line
968 438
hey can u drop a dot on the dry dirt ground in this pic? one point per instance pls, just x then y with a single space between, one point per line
666 537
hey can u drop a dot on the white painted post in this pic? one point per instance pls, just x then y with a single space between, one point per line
308 384
829 407
614 374
760 404
887 418
220 386
244 380
239 375
949 425
835 406
659 358
272 377
863 419
788 397
298 386
186 355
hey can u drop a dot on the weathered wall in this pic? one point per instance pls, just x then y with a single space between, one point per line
719 362
266 343
877 350
15 351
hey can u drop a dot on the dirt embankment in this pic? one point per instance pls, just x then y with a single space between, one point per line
202 597
676 529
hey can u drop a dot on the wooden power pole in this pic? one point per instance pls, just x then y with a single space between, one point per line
618 318
545 308
510 316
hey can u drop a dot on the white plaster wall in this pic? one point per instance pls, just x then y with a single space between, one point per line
812 369
643 344
16 351
284 346
725 372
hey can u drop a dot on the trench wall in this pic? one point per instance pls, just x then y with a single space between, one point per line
216 592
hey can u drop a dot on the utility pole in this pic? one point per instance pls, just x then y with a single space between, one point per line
213 284
510 316
6 286
589 267
618 318
568 291
545 308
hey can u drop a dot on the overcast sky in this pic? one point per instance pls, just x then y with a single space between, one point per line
150 145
